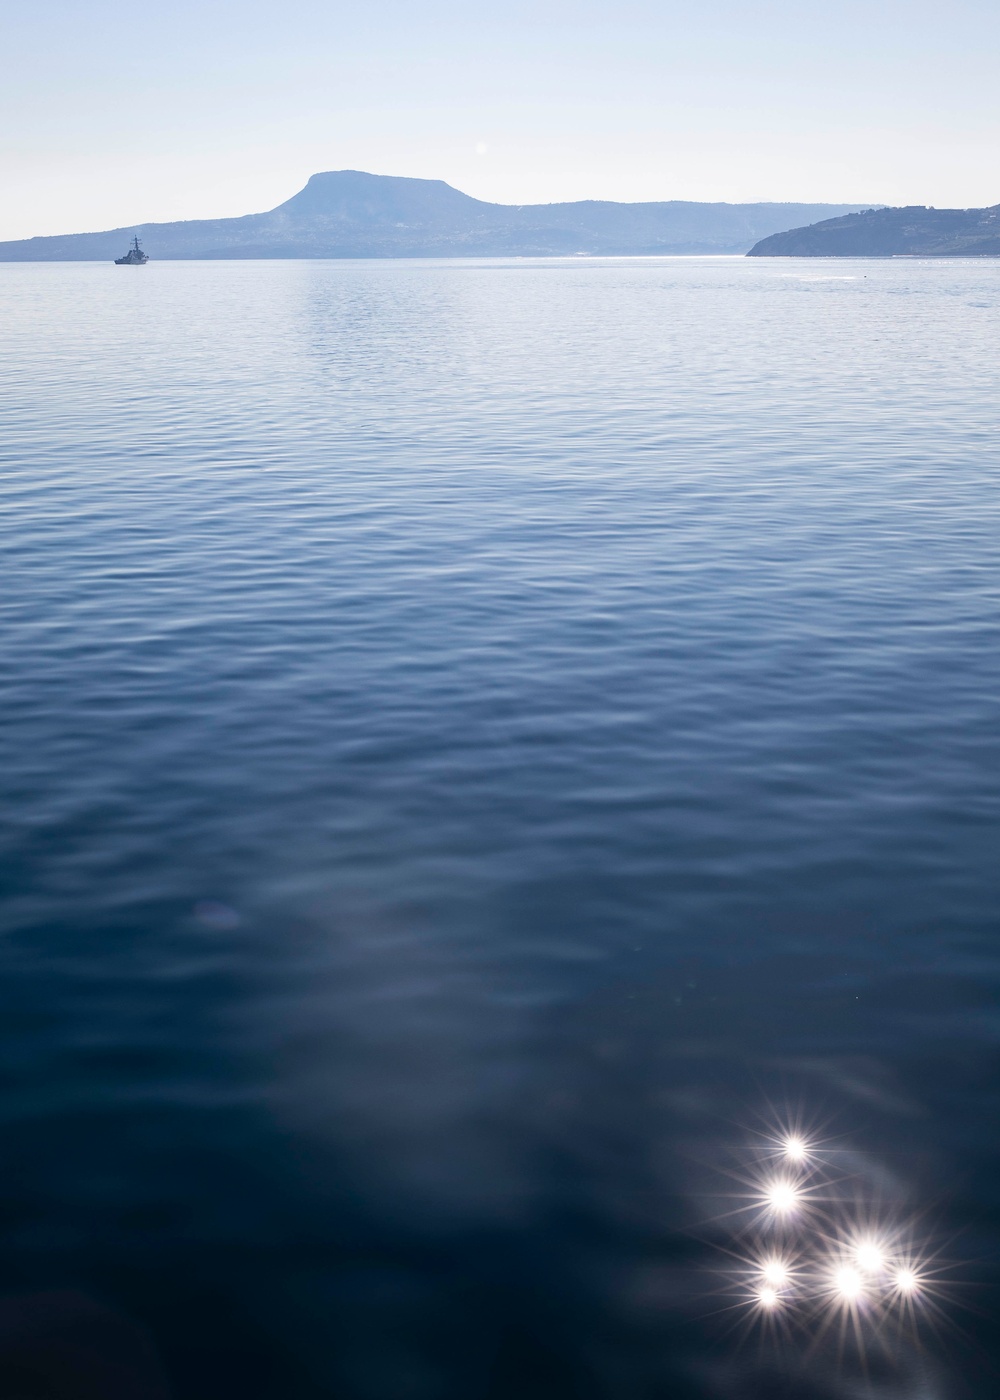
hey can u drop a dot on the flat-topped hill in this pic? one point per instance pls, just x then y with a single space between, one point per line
351 214
912 231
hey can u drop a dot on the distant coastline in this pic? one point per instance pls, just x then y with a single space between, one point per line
910 232
352 214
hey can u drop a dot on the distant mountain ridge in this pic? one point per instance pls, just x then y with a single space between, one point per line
912 231
349 213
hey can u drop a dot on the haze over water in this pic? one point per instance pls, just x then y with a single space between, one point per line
480 740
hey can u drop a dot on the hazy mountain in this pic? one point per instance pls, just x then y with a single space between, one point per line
887 233
349 214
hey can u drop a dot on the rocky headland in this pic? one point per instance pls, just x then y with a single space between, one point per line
912 231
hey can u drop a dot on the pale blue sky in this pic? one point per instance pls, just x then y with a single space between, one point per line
120 112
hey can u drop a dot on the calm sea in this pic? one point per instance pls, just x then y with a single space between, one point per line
488 748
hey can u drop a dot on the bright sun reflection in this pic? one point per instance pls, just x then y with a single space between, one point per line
849 1285
815 1253
795 1149
870 1257
782 1196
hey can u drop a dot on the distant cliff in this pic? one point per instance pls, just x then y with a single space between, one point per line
891 233
350 214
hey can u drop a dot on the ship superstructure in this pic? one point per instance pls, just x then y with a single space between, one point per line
135 257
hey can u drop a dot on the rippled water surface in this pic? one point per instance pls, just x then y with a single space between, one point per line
481 741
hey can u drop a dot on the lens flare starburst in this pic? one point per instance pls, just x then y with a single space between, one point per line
795 1148
781 1197
847 1284
870 1256
814 1250
775 1272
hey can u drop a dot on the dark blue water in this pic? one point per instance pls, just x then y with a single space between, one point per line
482 741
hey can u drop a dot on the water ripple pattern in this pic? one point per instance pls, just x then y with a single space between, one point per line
470 729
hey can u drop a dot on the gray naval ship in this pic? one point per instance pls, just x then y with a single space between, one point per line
135 257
